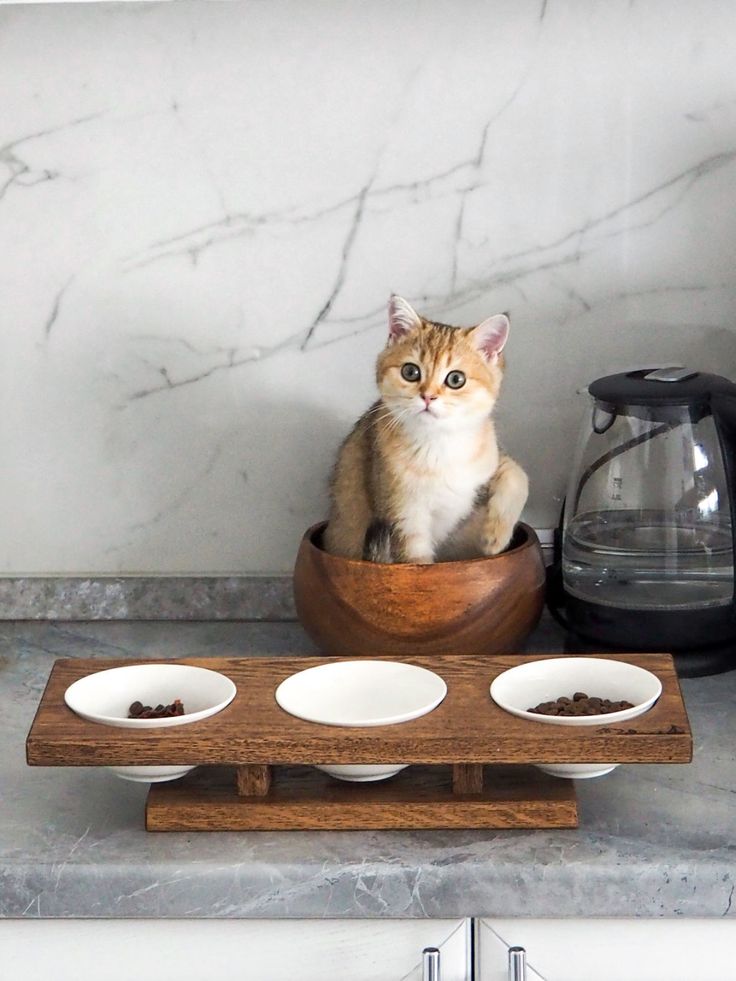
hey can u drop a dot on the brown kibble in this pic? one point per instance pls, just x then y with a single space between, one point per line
139 711
580 704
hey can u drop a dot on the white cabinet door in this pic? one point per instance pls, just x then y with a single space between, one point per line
609 949
236 950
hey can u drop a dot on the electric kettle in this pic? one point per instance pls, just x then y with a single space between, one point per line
647 533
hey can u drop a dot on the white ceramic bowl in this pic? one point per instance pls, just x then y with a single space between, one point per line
106 696
361 693
526 685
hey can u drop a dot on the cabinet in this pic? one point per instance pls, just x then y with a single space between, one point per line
366 950
609 949
236 950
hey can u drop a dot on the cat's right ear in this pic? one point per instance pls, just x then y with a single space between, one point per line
402 317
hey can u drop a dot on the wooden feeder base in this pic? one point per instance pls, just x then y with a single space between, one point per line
303 798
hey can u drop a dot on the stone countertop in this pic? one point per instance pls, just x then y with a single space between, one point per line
653 840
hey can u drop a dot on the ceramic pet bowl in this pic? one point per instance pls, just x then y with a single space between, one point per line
361 693
473 606
106 696
526 685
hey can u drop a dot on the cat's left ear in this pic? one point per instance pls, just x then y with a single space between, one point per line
491 335
402 317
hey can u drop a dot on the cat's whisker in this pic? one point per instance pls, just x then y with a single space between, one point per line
397 419
382 418
376 408
392 416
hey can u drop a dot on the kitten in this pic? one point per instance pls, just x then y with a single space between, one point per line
421 478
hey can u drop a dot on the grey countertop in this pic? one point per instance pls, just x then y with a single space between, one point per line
653 840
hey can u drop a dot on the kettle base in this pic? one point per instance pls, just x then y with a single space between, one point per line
689 664
702 642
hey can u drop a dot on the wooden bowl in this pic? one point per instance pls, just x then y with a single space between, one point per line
476 606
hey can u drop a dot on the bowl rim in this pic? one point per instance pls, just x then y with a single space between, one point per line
529 540
364 663
581 720
161 723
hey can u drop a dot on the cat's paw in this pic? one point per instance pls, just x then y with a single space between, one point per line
497 533
413 547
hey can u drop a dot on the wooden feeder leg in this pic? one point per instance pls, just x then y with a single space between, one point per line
253 779
467 778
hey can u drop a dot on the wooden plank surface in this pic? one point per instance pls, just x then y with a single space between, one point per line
302 798
253 780
467 778
466 728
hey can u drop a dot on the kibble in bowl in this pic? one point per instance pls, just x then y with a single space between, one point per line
580 704
107 697
523 689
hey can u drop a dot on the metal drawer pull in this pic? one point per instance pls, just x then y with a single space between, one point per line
517 964
430 964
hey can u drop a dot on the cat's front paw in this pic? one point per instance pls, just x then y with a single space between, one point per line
418 558
497 534
413 547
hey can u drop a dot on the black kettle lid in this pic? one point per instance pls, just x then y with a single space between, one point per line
660 386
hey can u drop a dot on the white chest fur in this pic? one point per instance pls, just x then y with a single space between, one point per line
448 467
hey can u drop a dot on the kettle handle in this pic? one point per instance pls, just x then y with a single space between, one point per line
723 407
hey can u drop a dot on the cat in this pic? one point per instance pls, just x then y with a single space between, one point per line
421 478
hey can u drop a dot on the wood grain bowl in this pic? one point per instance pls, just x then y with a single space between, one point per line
476 606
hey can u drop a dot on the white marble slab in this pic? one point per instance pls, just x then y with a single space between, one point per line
204 206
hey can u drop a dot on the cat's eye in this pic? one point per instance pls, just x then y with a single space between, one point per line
455 379
410 372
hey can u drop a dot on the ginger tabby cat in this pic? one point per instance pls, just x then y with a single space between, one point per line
421 478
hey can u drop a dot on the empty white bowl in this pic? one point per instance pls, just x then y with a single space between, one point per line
361 693
526 685
106 696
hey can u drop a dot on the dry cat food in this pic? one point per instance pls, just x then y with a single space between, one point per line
580 704
140 711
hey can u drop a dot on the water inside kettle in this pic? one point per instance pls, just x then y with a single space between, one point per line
646 559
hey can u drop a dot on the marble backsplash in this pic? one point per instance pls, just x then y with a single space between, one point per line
204 207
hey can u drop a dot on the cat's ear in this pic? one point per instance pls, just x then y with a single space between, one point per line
491 335
402 317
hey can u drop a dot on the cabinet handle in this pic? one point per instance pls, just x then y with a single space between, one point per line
430 964
517 964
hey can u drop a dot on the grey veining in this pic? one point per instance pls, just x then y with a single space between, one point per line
227 231
654 840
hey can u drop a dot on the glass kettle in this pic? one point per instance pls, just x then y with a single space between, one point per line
647 529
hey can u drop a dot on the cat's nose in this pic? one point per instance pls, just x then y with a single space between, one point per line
428 399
